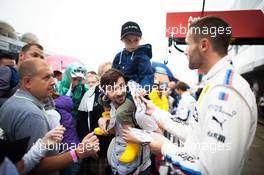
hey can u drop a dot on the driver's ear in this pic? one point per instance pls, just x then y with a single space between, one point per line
204 44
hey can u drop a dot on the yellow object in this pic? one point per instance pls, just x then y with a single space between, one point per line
106 114
98 130
162 102
129 153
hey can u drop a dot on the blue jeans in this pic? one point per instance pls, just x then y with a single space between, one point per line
72 169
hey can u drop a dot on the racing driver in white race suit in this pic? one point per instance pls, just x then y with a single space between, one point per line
218 136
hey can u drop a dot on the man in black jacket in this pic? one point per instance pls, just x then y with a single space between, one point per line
88 114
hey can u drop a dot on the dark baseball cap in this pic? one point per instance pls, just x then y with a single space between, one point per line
130 28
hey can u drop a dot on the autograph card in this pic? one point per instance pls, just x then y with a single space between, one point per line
141 135
136 92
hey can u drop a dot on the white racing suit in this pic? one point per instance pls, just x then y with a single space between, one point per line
221 130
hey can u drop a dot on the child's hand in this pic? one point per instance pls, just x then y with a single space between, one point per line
53 137
128 137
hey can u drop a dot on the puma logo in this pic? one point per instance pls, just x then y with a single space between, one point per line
220 123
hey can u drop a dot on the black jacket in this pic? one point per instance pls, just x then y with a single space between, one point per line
95 114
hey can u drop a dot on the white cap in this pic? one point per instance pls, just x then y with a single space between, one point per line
77 74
